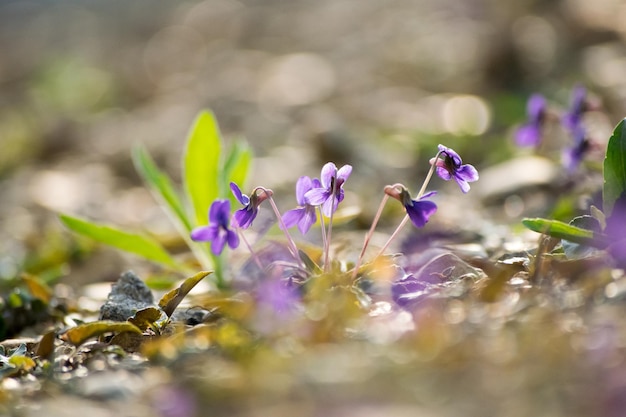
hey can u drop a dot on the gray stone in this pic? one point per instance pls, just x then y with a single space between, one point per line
127 295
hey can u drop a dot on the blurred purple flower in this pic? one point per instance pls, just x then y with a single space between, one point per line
280 295
304 215
529 134
244 217
330 193
449 165
171 401
217 232
573 155
572 119
616 230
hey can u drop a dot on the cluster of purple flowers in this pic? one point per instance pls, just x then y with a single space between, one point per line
530 134
324 194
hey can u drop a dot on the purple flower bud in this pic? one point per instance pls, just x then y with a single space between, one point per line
244 217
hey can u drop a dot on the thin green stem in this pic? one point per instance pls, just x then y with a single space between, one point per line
218 268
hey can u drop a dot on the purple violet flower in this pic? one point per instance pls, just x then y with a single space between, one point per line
244 217
304 215
450 165
217 232
418 210
331 193
572 119
572 156
529 134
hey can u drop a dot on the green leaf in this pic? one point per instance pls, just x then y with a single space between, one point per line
172 299
201 165
236 168
129 242
614 168
79 334
161 186
578 251
566 231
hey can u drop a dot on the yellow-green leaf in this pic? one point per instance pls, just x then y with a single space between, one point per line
79 334
144 318
161 186
172 299
134 243
201 165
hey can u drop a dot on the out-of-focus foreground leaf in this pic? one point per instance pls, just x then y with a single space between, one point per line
79 334
566 231
614 168
201 165
129 242
172 299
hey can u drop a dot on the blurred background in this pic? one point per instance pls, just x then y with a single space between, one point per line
374 84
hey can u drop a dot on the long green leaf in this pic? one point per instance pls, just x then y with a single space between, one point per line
129 242
614 168
566 231
161 186
201 165
236 169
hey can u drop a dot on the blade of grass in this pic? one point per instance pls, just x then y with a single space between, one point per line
614 168
140 245
161 186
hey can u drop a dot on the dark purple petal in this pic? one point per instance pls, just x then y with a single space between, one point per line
242 198
467 172
316 196
307 220
292 217
232 238
450 153
528 135
536 108
219 212
420 211
465 187
217 245
329 171
303 185
244 217
204 233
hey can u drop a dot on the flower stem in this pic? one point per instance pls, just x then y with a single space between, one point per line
252 252
368 237
406 217
323 226
330 226
292 245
